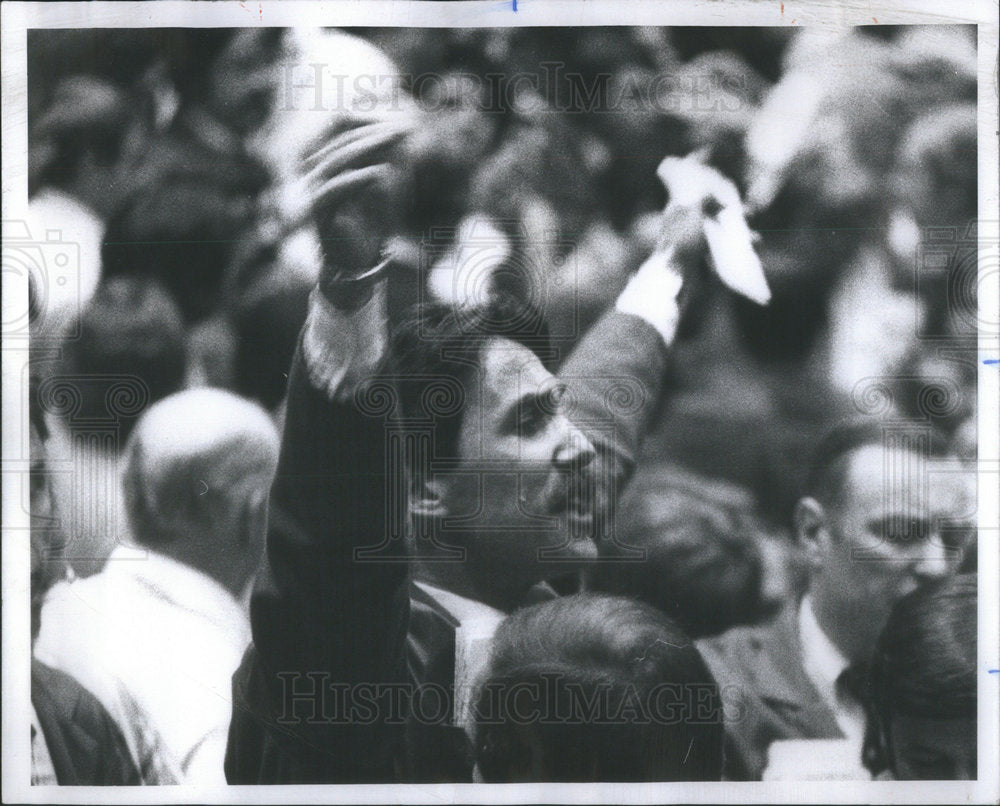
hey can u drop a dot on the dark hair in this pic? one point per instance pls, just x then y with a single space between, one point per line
180 231
86 115
702 566
191 53
828 468
131 328
575 691
925 662
436 351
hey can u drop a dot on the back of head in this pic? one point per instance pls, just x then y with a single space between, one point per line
702 565
197 463
597 688
130 332
181 231
267 329
924 666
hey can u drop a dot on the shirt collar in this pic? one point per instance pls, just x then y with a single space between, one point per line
822 661
460 608
180 585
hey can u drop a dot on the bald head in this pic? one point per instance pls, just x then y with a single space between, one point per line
197 470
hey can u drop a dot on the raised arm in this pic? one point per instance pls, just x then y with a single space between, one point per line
328 628
617 372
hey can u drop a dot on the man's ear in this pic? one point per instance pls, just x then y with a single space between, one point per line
811 532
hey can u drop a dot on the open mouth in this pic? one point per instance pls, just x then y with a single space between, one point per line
577 503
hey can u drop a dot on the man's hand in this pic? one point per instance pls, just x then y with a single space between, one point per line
703 219
698 187
664 285
355 185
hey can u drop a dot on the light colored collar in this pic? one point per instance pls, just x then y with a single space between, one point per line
475 623
461 609
822 661
181 586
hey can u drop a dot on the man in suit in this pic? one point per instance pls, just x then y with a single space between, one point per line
506 473
883 516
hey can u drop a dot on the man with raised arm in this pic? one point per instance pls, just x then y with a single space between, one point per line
505 473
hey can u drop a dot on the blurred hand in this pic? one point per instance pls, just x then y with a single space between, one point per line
355 187
705 208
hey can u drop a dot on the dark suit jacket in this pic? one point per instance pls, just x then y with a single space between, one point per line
766 692
85 744
326 620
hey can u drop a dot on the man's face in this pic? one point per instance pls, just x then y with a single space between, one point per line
898 522
520 473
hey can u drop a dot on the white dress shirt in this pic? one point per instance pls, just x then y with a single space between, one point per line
476 624
823 664
157 642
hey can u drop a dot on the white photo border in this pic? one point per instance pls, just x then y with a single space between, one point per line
18 17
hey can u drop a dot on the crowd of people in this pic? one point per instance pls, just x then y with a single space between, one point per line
499 405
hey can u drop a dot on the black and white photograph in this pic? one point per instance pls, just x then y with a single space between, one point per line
597 398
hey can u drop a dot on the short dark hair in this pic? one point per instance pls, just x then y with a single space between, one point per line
589 660
191 54
182 231
87 115
924 663
702 565
131 327
828 467
438 343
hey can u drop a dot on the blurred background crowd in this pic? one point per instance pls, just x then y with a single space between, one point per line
168 157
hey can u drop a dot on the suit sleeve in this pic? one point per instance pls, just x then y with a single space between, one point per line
615 379
326 623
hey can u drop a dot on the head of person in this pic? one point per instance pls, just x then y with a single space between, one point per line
83 141
498 471
922 721
884 514
702 563
182 232
231 72
267 331
596 688
131 330
196 477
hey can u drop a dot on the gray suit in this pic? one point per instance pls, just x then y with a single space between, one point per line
766 692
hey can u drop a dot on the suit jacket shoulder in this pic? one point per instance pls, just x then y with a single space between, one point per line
85 744
766 692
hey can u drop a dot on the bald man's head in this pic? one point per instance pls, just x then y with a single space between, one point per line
196 474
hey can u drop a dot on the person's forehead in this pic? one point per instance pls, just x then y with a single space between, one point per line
879 473
510 369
